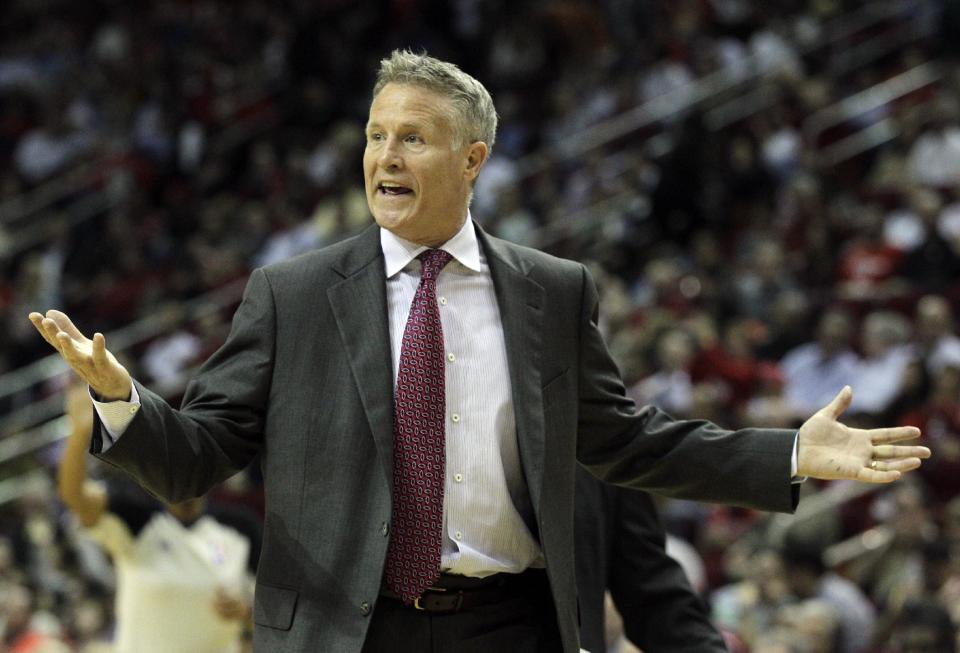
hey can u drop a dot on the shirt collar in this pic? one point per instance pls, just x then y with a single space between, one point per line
464 247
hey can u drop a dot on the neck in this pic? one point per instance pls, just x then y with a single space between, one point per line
436 240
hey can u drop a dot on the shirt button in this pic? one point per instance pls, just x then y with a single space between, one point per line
443 301
384 528
455 417
458 478
133 409
458 535
451 357
365 608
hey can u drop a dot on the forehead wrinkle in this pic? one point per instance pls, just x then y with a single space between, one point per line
427 122
436 114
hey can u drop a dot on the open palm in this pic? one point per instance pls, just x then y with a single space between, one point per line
828 449
88 358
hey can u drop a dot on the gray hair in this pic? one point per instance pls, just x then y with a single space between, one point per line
474 119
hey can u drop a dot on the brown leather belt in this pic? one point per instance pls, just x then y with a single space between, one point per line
459 595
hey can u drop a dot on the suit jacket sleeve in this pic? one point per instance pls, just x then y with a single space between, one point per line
660 610
648 449
177 455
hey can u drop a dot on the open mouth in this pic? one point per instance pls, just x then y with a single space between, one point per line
389 188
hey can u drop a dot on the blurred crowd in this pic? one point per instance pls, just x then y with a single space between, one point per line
742 279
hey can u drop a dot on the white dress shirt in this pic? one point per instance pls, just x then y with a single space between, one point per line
485 492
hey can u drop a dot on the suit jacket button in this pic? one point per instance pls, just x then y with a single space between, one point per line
384 528
365 608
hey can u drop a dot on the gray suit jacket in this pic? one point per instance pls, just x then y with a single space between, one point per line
305 379
621 547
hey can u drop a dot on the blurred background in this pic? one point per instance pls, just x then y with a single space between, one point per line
767 192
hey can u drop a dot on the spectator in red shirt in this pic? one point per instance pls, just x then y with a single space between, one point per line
868 265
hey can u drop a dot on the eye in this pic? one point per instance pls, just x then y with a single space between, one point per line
413 138
375 136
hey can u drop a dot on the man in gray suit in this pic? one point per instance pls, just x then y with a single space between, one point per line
419 396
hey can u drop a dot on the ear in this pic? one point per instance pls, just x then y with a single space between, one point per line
476 156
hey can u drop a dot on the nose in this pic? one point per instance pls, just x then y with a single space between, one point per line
390 158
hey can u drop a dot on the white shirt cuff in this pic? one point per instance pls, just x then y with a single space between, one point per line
116 415
793 461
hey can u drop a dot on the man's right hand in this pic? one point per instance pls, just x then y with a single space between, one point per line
88 358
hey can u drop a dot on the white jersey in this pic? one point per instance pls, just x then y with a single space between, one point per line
167 578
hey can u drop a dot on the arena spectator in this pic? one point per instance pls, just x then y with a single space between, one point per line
923 626
884 342
815 369
808 577
937 340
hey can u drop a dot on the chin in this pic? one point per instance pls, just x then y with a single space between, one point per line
389 220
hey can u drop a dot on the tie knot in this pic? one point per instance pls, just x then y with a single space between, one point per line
433 261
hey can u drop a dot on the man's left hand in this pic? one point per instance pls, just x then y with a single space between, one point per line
830 450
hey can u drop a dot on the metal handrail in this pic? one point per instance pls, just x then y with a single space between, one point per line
651 112
873 98
57 428
36 232
49 192
77 178
813 507
855 144
35 439
855 547
866 16
120 340
762 97
878 46
710 86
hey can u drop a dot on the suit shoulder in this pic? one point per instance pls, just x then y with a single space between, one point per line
309 264
541 262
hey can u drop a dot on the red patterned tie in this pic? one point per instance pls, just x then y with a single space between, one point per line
419 456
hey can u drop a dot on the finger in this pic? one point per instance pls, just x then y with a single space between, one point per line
99 350
37 321
895 434
55 335
898 465
868 475
50 332
887 451
840 403
65 324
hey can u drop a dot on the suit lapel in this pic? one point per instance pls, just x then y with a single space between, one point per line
359 305
520 300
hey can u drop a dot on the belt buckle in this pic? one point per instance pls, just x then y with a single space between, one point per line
416 601
458 603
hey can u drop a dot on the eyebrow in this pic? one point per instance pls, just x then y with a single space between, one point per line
405 126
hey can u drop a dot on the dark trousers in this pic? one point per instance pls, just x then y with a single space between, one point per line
523 621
